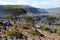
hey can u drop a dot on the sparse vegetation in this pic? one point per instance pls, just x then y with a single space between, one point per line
10 17
14 33
1 25
34 27
45 28
57 31
32 19
23 26
50 18
56 23
31 31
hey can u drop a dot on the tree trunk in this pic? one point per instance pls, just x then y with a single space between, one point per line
34 23
15 19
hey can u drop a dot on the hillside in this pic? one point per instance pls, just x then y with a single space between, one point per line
29 9
54 11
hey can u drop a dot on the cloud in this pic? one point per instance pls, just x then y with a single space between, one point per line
39 4
34 3
28 2
23 2
5 3
51 3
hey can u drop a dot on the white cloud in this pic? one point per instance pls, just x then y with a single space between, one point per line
34 3
50 4
5 3
22 2
26 2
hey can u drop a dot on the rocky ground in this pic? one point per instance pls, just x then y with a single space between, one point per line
48 36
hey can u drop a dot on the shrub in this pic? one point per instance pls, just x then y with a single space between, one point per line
57 31
31 31
51 18
57 23
30 25
1 25
25 26
14 33
45 28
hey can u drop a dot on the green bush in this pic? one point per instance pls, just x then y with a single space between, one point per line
31 31
14 33
51 18
1 25
45 28
25 26
57 23
57 31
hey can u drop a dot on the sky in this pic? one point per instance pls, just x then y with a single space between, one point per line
34 3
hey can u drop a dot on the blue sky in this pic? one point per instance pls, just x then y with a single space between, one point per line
34 3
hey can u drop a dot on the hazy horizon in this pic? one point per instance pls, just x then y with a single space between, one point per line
35 3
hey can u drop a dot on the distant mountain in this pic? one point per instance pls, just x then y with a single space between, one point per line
28 8
54 11
31 10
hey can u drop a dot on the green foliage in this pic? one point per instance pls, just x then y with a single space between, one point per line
29 25
15 11
7 8
1 25
14 33
57 31
57 23
51 18
10 17
31 31
25 26
45 28
28 18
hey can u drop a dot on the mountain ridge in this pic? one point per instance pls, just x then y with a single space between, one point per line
29 9
32 10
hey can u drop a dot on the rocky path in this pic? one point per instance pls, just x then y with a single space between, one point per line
49 36
29 36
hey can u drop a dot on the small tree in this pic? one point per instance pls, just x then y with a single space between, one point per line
32 19
51 19
15 12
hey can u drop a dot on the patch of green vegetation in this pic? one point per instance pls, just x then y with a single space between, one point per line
45 28
1 25
51 18
31 31
57 31
25 26
57 23
14 33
